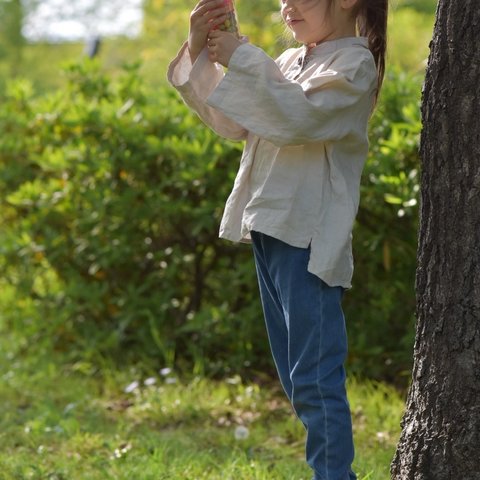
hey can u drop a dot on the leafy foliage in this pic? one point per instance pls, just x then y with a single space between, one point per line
111 213
380 308
409 33
425 6
112 194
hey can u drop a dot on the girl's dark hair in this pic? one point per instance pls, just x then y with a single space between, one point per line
372 17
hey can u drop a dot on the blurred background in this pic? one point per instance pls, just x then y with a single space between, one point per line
112 191
37 37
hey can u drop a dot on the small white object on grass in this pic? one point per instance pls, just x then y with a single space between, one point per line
241 433
132 387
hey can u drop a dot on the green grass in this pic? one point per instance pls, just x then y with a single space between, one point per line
74 422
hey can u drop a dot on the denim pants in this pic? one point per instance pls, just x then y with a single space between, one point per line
306 331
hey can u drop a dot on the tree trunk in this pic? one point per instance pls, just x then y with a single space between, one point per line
441 427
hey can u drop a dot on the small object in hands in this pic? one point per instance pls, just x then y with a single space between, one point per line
231 23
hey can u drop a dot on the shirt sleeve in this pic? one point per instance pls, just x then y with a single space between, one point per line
195 83
329 105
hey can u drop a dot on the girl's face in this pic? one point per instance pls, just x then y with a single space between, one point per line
311 21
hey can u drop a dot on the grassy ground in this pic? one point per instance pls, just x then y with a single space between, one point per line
75 422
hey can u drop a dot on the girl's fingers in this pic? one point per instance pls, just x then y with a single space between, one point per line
216 34
211 14
218 21
202 9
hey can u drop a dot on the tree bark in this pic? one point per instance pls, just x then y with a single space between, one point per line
441 427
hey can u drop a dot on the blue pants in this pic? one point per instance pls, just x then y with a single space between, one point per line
306 330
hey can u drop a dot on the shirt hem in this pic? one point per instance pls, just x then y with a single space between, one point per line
326 275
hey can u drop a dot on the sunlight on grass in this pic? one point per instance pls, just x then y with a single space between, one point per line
60 423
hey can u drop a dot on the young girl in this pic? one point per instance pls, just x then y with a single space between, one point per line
304 118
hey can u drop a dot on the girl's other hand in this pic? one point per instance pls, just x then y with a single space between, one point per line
221 46
206 15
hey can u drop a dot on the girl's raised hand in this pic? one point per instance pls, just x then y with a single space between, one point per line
221 46
206 15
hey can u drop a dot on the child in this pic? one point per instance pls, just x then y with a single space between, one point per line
304 118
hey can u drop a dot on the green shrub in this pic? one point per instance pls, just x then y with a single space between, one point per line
409 33
111 208
380 308
424 6
112 195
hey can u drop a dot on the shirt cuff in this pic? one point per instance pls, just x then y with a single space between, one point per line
201 77
180 68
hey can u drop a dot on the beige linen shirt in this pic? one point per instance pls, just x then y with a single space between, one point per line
304 118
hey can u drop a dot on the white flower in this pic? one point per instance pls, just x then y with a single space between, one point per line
69 407
133 386
241 433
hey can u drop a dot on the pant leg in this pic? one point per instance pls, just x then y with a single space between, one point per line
317 347
273 311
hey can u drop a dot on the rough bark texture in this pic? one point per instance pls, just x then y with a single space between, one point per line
441 427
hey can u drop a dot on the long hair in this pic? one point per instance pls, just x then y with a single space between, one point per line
372 17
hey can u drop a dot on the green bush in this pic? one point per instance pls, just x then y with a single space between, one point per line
111 208
380 308
409 33
424 6
112 195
